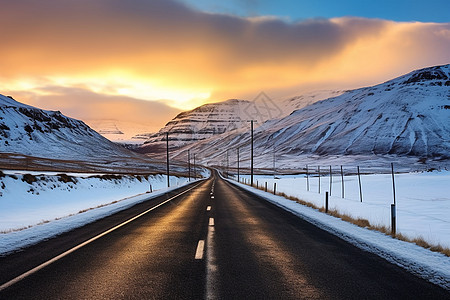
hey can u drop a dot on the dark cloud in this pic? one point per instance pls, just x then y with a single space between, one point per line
77 35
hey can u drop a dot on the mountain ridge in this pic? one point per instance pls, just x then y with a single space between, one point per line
28 130
407 116
214 119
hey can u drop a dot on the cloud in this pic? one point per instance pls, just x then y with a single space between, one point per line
175 50
86 105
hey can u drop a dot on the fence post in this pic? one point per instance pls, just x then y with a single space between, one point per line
151 189
265 187
360 188
326 202
307 178
393 212
393 220
342 179
331 180
257 184
393 181
274 188
318 170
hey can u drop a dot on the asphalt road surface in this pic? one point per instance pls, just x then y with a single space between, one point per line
215 241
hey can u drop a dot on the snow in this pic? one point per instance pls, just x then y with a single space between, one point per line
31 131
407 117
30 213
432 266
6 101
213 119
422 199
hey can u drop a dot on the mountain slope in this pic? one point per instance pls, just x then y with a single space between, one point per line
214 119
31 131
409 115
198 124
406 116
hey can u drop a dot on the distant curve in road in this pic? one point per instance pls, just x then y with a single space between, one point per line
215 241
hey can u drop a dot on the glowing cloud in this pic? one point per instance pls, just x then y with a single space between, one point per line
163 50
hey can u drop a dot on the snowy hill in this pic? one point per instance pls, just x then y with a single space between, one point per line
31 131
406 116
200 123
298 102
214 119
409 115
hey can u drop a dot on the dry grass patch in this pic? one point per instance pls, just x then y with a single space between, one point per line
28 178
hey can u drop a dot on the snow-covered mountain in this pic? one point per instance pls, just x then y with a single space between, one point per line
214 119
121 132
409 115
291 104
31 131
406 116
200 123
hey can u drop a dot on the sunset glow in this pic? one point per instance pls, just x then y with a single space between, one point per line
167 53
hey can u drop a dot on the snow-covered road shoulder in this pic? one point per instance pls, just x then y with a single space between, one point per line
37 207
432 266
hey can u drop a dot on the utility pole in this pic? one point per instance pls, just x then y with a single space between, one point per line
167 155
251 167
238 163
274 172
195 171
189 164
228 165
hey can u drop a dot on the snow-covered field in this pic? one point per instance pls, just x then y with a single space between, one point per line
422 199
32 211
432 266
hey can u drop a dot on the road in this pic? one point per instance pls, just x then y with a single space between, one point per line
215 241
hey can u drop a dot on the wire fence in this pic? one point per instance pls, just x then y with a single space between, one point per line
414 204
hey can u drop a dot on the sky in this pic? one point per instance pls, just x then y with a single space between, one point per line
144 61
298 10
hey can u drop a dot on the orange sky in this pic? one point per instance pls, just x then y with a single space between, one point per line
144 61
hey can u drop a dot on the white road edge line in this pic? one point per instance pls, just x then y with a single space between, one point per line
211 221
200 249
58 257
